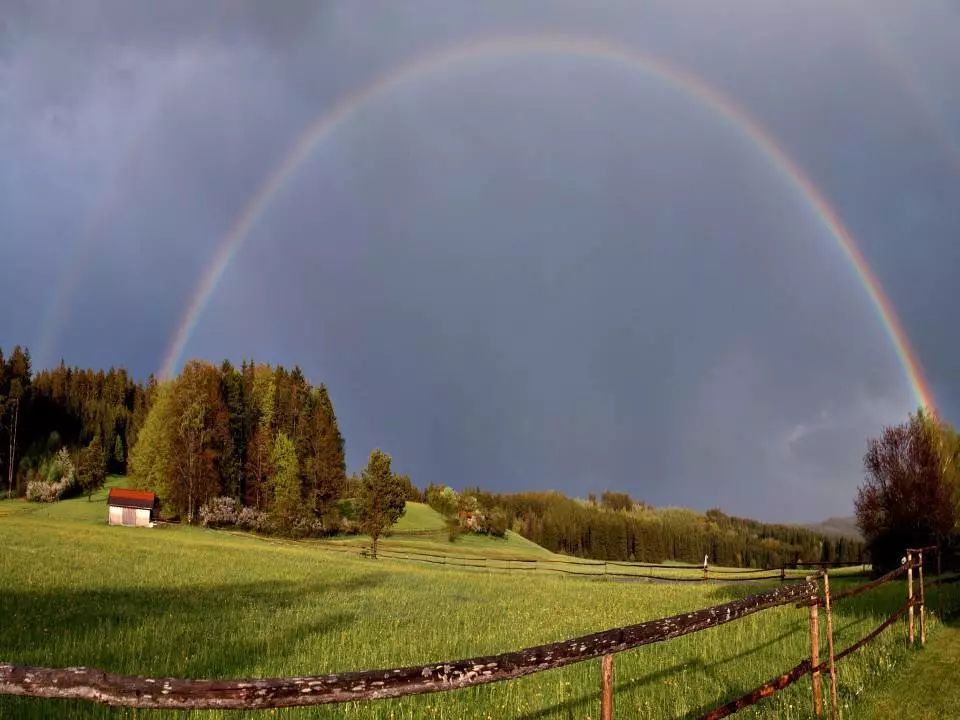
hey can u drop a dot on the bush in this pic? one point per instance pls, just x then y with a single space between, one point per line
53 480
255 520
220 512
497 522
306 526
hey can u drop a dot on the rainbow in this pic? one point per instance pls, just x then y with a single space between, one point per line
691 85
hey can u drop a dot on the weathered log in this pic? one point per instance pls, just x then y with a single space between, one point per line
862 588
764 691
870 636
148 692
947 580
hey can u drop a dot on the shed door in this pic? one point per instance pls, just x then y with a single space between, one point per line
129 516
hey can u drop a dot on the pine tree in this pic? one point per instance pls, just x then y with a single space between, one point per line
324 465
18 376
92 466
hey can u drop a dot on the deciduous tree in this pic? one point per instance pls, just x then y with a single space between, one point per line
286 504
908 497
381 501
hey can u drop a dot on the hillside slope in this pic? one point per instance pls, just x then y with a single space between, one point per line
423 529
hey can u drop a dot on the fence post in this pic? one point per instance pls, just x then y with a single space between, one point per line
815 657
833 666
923 619
783 573
910 595
606 688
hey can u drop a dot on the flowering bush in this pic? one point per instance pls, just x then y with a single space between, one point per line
54 481
251 519
220 512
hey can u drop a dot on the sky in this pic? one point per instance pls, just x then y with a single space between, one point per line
514 264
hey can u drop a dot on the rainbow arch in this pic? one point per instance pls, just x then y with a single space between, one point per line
682 80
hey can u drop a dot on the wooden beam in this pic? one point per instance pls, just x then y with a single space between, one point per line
815 659
758 694
606 688
910 595
164 692
833 664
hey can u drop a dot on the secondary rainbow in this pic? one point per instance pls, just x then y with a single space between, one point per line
681 80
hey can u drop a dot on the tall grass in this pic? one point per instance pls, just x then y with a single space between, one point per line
190 602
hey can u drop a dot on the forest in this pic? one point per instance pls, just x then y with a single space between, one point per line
615 527
259 447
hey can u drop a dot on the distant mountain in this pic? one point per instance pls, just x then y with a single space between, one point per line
837 526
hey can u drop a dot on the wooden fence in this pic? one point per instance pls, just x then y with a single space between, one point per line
617 569
173 693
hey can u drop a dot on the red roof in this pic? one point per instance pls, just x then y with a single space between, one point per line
131 498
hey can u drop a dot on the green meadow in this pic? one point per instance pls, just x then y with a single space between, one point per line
191 602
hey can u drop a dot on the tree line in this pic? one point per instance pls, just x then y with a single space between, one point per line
616 527
65 428
261 436
260 447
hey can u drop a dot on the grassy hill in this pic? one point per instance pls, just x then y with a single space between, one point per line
186 601
423 529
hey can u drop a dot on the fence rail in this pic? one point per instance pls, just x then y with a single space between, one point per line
260 693
588 568
146 692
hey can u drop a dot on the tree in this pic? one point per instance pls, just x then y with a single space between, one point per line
118 453
908 498
286 502
409 489
616 500
324 464
151 458
200 430
17 380
443 499
92 466
381 501
262 394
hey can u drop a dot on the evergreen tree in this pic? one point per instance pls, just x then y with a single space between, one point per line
92 466
17 380
324 461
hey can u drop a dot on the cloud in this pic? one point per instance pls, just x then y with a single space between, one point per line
524 272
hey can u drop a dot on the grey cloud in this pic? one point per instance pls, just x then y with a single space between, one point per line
521 272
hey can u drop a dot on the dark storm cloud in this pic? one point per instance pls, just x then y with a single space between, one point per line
521 272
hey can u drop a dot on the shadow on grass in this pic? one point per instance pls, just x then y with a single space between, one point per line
207 631
858 611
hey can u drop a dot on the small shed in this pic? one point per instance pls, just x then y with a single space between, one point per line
130 507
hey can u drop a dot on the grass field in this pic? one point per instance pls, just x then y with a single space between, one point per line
190 602
422 529
421 535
